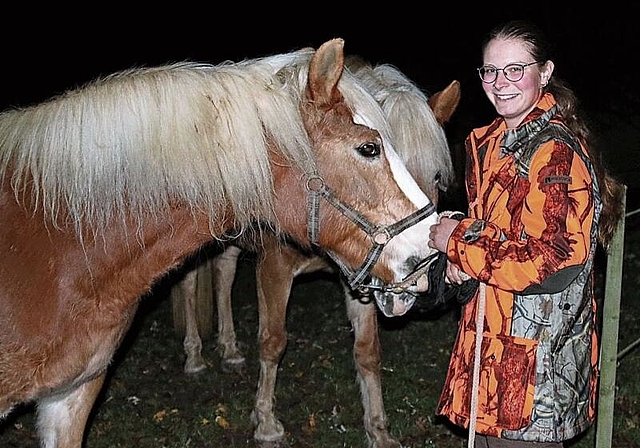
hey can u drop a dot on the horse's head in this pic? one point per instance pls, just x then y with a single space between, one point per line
375 218
416 121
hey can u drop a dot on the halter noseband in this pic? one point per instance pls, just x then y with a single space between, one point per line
380 234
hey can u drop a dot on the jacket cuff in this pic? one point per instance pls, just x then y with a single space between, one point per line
462 241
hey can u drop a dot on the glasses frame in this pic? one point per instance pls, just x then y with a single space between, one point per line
503 70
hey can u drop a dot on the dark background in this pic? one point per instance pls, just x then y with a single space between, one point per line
44 53
597 50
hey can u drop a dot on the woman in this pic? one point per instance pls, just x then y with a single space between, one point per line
538 202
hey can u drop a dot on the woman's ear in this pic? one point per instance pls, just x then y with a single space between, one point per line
546 72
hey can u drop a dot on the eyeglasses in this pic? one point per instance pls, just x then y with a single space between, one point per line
513 72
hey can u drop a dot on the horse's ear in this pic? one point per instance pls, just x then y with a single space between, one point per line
445 102
325 71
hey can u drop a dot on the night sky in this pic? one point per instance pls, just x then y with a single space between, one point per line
596 49
41 59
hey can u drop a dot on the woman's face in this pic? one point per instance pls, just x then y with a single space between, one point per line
513 100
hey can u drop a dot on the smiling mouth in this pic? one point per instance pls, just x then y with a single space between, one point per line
503 97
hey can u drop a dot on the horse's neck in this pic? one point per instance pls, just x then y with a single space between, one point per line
158 245
123 260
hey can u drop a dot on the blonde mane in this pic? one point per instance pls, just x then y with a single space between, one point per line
419 139
139 140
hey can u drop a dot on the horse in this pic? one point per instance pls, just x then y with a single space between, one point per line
109 186
416 123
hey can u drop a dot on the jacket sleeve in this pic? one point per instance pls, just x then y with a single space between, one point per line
546 238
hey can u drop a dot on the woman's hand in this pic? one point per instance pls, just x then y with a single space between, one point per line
438 239
441 232
454 274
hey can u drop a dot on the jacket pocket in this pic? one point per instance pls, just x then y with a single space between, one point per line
507 381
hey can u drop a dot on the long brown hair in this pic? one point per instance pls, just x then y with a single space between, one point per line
541 50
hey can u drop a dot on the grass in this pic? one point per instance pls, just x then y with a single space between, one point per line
148 402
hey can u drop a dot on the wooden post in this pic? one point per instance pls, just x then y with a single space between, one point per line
609 337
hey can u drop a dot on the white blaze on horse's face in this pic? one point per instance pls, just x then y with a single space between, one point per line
404 179
410 244
418 234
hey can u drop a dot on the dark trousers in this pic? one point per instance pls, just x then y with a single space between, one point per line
494 442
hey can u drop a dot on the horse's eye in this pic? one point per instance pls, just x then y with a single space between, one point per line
369 149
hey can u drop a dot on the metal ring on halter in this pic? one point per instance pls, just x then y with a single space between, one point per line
381 236
315 183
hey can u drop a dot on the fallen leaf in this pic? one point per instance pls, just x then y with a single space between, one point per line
221 409
312 422
159 416
222 422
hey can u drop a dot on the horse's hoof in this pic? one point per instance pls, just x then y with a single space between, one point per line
194 370
276 444
234 365
386 442
268 429
191 368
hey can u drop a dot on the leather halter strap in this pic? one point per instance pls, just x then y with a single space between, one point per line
380 234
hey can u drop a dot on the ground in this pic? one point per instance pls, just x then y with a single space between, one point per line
148 401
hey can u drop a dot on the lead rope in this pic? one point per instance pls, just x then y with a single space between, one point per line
476 365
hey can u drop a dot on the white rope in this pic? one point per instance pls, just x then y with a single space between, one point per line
476 366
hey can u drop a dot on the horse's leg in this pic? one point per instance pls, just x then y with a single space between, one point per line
367 357
62 419
192 342
224 271
274 277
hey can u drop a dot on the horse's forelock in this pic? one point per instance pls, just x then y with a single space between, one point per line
364 106
420 139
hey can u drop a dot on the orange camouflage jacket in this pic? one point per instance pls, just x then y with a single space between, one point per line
530 238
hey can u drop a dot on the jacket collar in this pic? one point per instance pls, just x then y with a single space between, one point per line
537 119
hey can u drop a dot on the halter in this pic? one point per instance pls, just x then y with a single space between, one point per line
380 236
